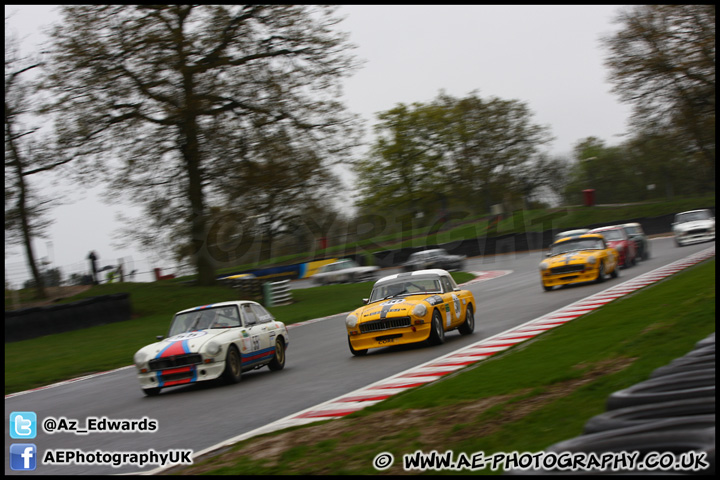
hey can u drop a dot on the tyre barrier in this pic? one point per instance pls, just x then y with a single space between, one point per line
671 413
665 388
35 322
639 414
277 293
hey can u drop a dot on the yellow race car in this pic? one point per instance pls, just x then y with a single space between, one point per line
408 308
578 258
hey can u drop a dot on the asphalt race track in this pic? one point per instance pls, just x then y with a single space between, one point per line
319 368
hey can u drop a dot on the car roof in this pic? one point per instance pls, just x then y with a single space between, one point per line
632 224
584 235
698 210
219 304
416 273
605 229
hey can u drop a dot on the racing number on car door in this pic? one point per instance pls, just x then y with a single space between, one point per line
254 326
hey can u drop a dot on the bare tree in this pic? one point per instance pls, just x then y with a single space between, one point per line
152 95
662 61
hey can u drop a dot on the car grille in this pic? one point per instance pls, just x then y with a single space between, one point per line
384 324
567 269
174 377
174 362
697 231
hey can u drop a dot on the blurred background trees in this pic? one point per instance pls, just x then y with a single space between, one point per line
162 101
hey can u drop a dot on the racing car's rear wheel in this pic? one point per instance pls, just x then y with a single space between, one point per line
357 353
233 366
469 324
437 333
278 361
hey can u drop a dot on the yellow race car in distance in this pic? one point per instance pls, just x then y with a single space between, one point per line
578 258
408 308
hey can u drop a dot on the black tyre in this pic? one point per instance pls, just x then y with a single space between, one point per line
546 288
278 361
233 366
151 392
468 325
616 272
665 388
437 332
642 414
601 273
357 353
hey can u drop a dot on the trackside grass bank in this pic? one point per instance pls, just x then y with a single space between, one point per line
41 361
522 400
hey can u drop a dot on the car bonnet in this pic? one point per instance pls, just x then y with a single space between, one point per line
183 343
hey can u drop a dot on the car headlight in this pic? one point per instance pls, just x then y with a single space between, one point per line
544 266
213 348
420 310
139 358
351 321
591 260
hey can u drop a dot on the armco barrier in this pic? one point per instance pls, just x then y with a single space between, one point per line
35 322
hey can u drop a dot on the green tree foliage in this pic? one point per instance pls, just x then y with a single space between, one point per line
452 152
157 99
662 61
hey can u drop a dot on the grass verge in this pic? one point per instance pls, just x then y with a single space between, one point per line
44 360
531 396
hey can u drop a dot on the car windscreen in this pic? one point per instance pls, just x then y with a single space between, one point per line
218 317
612 235
693 216
405 286
576 244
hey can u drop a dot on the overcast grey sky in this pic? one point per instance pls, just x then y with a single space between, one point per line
549 57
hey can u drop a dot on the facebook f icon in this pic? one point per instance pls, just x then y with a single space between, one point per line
23 425
23 456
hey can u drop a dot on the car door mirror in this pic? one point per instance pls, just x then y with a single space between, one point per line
365 301
159 337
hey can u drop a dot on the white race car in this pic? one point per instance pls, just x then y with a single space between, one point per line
344 271
693 227
207 342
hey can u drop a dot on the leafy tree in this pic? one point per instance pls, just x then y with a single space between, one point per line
452 151
662 61
152 94
401 172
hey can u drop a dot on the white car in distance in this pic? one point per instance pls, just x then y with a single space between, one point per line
344 271
693 226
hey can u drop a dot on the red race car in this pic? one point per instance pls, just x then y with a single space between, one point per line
617 238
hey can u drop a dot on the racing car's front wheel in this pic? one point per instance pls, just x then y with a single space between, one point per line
233 366
278 361
151 392
357 353
437 333
601 273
